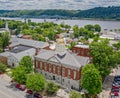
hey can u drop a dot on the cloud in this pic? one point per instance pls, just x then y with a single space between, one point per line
56 4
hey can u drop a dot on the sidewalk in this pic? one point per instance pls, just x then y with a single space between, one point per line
5 77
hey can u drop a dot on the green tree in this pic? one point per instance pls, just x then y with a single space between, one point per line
0 44
75 94
36 82
52 87
91 80
97 28
117 45
27 62
3 67
102 54
72 44
76 31
89 27
5 40
2 23
19 74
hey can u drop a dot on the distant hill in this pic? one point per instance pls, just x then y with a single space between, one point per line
101 13
95 13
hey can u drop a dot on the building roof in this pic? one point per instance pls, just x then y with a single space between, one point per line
67 59
19 48
19 55
82 46
26 42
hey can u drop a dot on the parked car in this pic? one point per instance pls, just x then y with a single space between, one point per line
21 87
117 76
29 91
117 79
115 87
114 92
116 84
37 95
30 94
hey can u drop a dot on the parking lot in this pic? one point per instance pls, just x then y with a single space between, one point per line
107 85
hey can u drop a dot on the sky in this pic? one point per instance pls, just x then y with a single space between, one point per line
56 4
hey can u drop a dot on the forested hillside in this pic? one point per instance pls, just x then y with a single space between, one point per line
95 13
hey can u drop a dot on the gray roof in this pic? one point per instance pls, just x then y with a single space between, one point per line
19 48
68 59
19 55
37 44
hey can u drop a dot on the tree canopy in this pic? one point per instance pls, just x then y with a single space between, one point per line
52 87
4 37
36 82
27 62
2 67
111 12
19 74
91 80
102 55
75 94
117 45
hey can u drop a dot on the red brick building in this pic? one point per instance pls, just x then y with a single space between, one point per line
81 50
61 66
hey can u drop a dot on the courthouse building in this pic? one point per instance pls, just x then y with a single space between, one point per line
61 65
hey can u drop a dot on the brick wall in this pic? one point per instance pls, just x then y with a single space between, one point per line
81 51
61 69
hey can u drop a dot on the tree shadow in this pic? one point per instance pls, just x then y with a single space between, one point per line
12 87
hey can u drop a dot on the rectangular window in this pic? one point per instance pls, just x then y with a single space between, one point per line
53 68
36 64
45 66
63 71
50 67
74 74
78 51
58 68
41 65
69 74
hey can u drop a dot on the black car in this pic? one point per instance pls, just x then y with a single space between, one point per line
36 95
117 79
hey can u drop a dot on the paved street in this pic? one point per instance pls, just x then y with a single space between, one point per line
9 91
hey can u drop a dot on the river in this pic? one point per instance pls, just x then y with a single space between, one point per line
81 23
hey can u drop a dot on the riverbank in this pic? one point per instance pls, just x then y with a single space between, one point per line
105 24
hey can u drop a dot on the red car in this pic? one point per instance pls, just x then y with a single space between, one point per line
115 87
29 91
21 87
114 92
